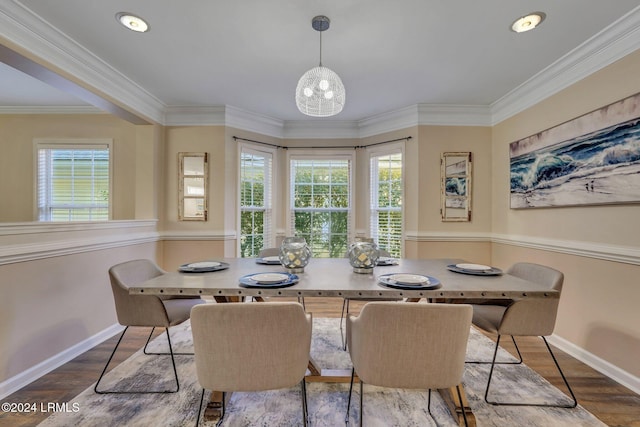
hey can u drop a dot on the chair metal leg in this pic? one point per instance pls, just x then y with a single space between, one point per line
305 408
200 409
483 362
343 316
224 408
173 363
353 372
361 399
301 301
546 405
160 354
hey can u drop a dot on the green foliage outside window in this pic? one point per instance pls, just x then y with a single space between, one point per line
321 205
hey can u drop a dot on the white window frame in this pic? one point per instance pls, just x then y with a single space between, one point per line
381 151
266 151
324 154
69 143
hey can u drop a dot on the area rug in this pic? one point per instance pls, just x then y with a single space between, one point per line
327 402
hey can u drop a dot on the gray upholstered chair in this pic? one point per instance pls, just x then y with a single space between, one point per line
145 310
413 346
527 317
269 252
251 347
265 252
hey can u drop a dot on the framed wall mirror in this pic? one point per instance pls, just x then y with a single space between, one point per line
193 172
455 186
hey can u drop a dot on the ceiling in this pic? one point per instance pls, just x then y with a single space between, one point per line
250 54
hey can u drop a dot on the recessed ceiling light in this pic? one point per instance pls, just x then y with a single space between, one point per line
132 22
528 22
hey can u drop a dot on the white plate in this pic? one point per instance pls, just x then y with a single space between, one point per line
475 267
386 259
409 279
271 258
270 277
203 264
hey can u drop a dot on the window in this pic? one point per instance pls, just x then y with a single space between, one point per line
73 181
320 203
255 201
386 202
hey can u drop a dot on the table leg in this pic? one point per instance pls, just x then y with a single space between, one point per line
457 406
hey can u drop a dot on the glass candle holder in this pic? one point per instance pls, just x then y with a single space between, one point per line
363 256
294 254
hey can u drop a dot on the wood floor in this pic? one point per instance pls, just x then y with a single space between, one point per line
612 403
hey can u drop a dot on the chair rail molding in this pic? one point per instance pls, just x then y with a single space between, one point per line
173 235
601 251
20 242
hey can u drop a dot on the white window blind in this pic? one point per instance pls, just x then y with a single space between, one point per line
255 202
386 202
73 182
320 204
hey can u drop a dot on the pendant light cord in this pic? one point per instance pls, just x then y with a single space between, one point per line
320 48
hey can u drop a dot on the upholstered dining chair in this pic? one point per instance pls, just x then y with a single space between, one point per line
145 310
527 317
345 301
413 346
251 347
265 252
268 252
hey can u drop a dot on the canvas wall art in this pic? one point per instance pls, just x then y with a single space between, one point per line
591 160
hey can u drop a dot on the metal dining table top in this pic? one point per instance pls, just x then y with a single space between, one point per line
334 277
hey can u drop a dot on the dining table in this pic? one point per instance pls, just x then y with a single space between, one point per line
435 280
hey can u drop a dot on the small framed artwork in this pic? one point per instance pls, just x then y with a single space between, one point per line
455 186
193 171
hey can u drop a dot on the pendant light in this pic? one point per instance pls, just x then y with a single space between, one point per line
320 92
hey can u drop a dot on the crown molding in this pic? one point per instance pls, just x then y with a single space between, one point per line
321 129
22 27
609 45
388 122
194 116
253 122
454 115
62 109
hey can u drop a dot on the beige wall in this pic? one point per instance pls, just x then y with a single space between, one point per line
49 305
598 309
17 174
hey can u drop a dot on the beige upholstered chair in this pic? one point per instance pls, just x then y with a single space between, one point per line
414 346
251 347
145 310
528 317
345 302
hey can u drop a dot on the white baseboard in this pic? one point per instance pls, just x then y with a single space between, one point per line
623 377
24 378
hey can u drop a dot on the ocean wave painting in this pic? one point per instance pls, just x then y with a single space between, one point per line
599 166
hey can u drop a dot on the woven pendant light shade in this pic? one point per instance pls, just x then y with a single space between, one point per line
320 93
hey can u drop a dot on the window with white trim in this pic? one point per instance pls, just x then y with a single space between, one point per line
256 184
320 202
386 202
73 181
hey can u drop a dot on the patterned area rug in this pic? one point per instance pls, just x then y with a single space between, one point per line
327 402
